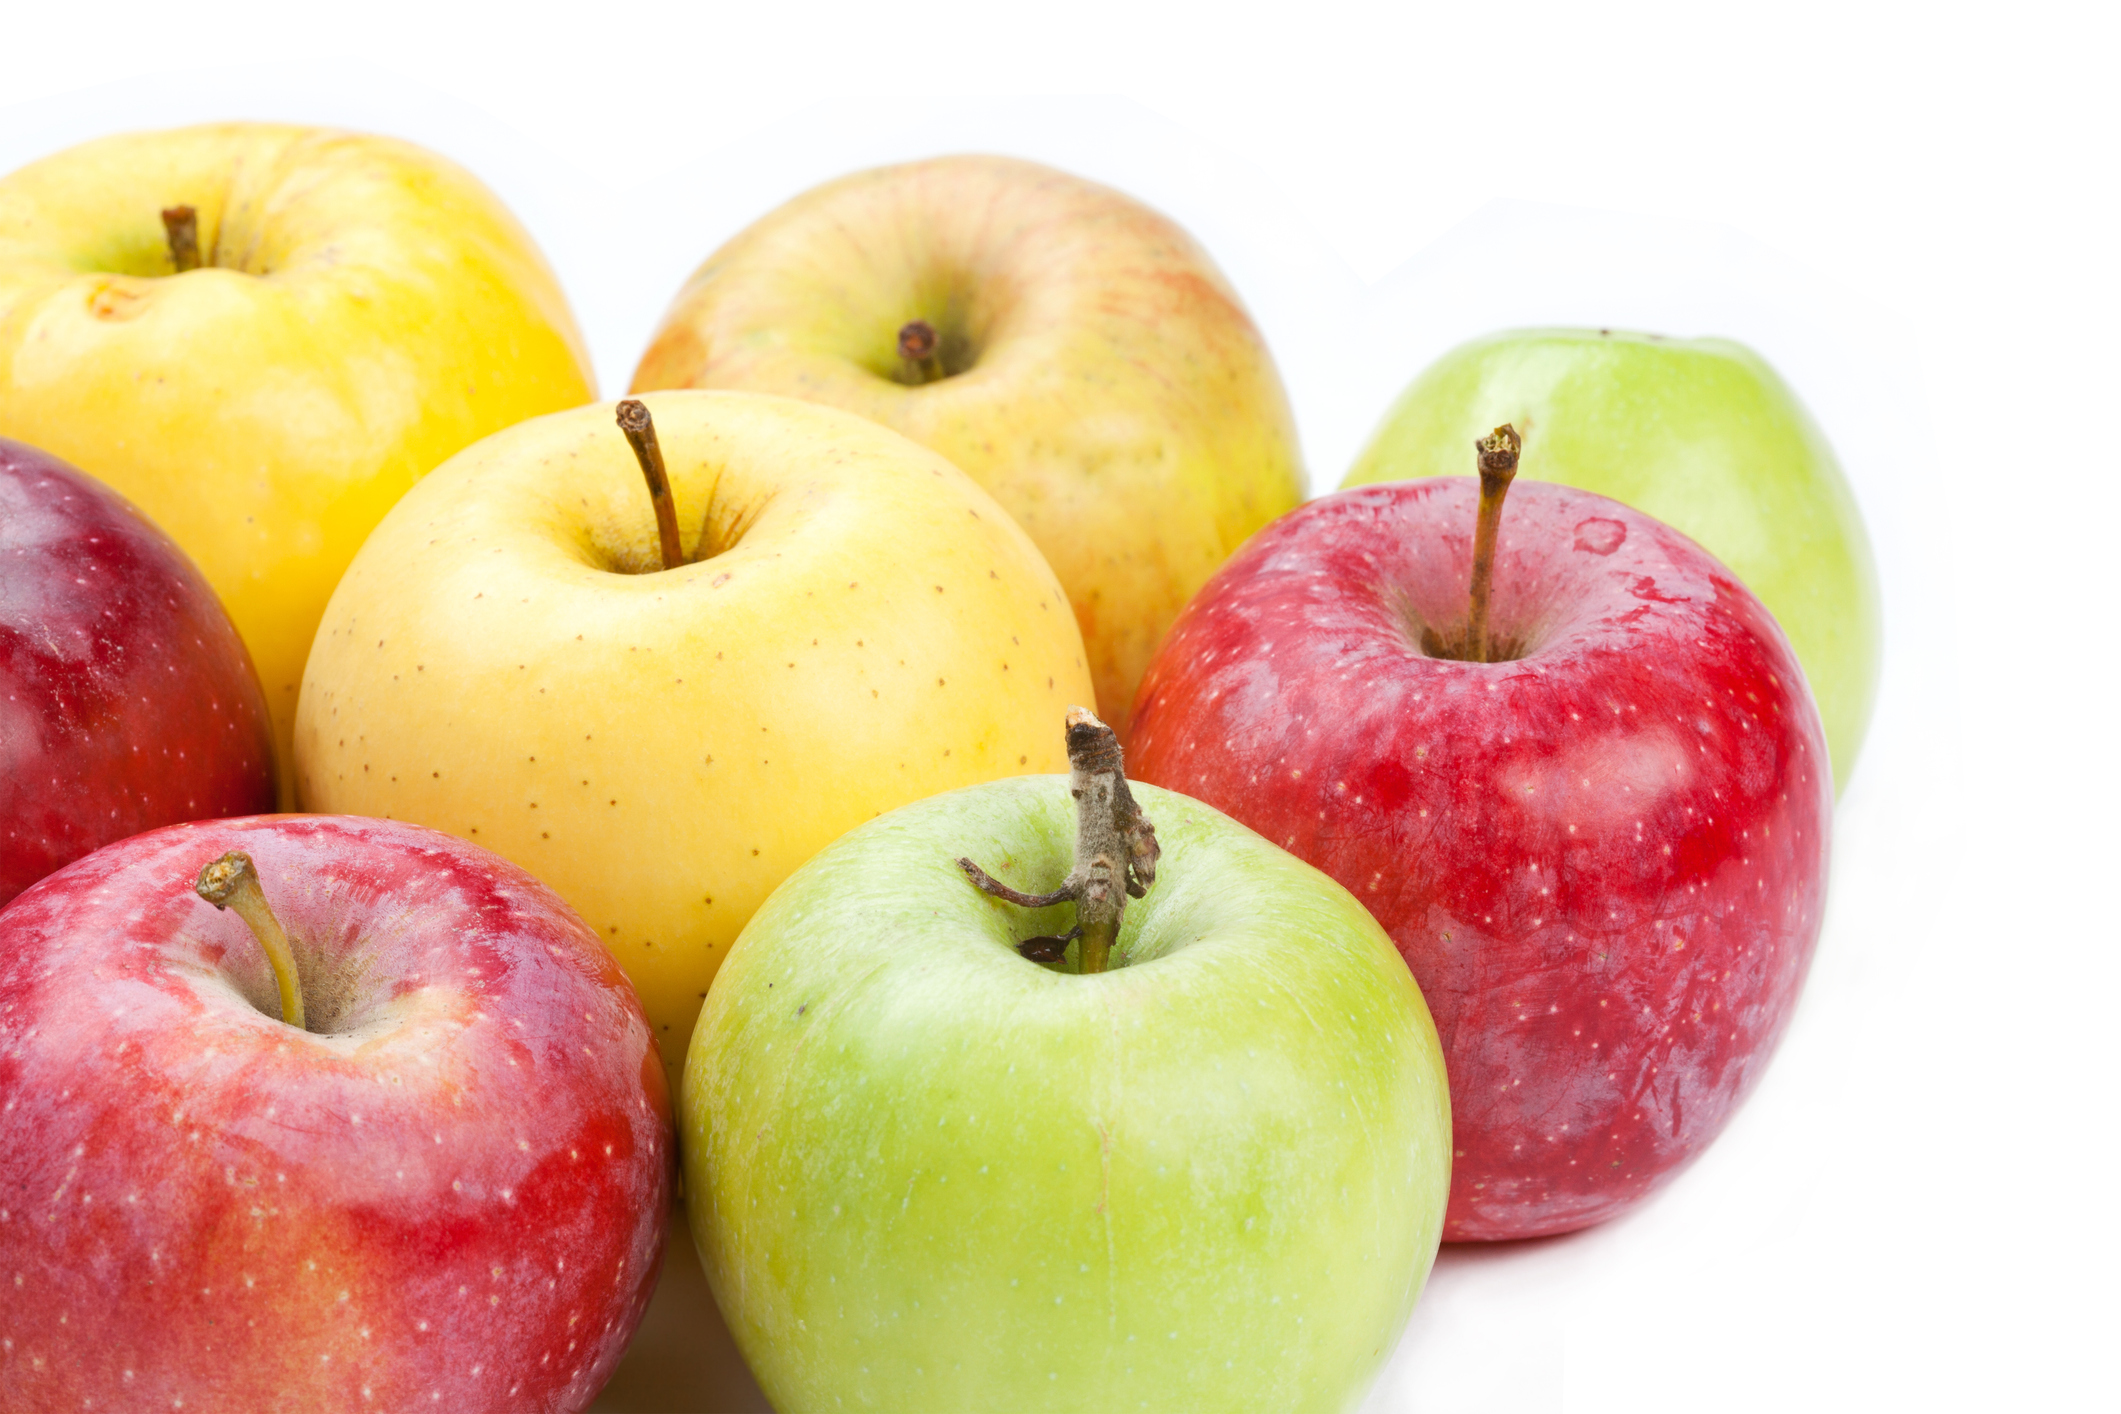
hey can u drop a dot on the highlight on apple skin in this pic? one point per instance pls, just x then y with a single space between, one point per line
1701 434
126 699
1604 854
1075 352
448 1191
927 1173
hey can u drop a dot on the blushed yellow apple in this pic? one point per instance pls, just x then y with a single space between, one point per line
507 659
361 311
1074 351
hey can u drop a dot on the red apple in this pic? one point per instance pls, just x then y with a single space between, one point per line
126 699
1604 858
447 1193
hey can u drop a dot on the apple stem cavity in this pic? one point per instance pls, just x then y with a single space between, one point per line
1115 851
1498 468
921 351
639 428
182 224
232 882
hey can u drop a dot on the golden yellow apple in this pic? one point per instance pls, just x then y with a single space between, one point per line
361 311
1074 351
507 659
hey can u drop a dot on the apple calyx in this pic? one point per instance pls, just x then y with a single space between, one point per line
232 882
182 225
639 428
920 350
1115 850
1497 454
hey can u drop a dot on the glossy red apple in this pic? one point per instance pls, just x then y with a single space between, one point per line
1604 858
447 1193
126 699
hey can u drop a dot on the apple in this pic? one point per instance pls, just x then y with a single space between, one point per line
1700 433
509 659
362 310
1604 854
926 1173
1073 351
446 1190
126 699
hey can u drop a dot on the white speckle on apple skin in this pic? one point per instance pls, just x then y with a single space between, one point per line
200 985
1606 737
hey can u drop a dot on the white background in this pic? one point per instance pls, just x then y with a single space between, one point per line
1912 212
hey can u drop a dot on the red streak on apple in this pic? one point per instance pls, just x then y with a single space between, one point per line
450 1194
1605 860
126 699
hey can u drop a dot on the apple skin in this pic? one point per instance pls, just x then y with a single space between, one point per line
1107 386
508 661
1701 434
926 1174
454 1199
1605 861
366 310
126 699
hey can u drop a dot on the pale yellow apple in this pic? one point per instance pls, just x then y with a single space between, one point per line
363 311
1095 371
861 626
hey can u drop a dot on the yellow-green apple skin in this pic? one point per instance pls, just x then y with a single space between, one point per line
929 1175
1700 433
1103 380
363 311
506 660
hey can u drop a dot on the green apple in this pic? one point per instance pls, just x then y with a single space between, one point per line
362 310
1699 433
925 1173
1082 359
508 659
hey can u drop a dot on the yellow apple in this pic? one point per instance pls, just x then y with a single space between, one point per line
362 311
1089 366
507 659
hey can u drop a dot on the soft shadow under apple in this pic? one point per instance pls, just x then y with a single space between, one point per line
682 1360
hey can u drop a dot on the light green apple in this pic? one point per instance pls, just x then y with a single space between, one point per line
927 1174
1700 433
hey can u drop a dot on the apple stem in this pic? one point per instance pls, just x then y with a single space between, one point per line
232 882
182 224
1498 467
919 347
1115 850
639 428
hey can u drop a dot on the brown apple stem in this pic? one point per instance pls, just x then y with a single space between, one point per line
1498 467
182 224
232 882
639 428
920 350
1115 851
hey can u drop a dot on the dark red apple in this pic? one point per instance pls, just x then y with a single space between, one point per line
448 1192
1604 858
126 699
